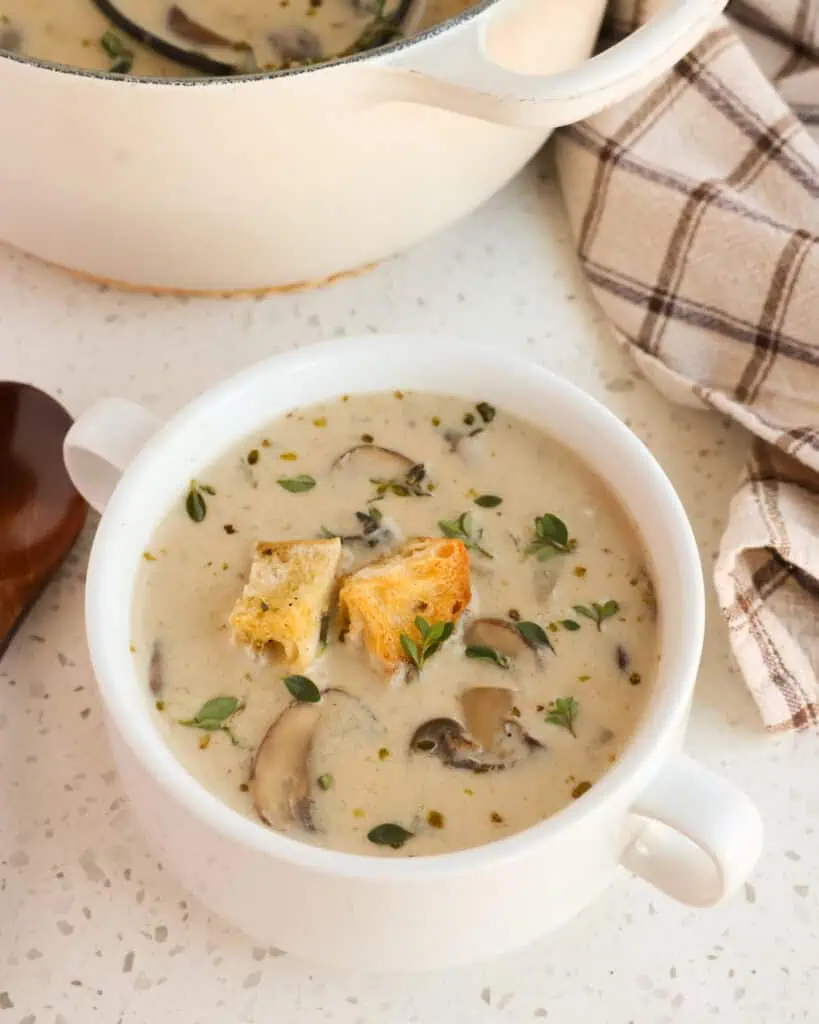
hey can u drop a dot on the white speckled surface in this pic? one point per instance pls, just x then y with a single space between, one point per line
92 929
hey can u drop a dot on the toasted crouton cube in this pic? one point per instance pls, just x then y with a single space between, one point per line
428 577
286 595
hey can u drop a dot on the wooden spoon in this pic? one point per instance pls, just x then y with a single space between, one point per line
40 512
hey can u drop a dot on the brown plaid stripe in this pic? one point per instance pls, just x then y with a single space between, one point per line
694 209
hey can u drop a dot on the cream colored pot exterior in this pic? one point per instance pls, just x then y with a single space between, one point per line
375 913
271 181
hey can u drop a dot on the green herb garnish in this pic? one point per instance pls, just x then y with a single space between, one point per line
488 501
598 613
486 411
214 716
253 456
533 634
570 624
464 529
389 834
563 712
325 781
297 484
433 635
120 54
551 538
302 689
407 486
485 653
195 504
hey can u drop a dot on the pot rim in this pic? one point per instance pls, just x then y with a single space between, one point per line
203 81
675 568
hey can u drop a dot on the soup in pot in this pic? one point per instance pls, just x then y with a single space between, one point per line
253 35
396 622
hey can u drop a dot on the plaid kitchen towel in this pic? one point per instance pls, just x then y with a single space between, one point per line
695 206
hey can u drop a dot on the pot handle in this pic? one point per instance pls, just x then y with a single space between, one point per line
455 72
711 840
101 443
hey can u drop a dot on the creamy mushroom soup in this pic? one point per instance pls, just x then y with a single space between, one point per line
466 642
251 34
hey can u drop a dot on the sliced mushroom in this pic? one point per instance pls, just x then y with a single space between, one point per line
464 443
391 471
375 460
296 44
280 781
156 670
279 776
187 29
546 577
499 634
11 39
447 740
486 708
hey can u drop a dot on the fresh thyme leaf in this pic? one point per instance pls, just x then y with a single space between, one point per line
297 484
488 501
598 613
195 504
463 528
551 538
486 411
407 486
487 654
369 520
563 712
253 456
115 48
325 781
570 624
411 650
389 834
302 689
533 634
214 714
433 635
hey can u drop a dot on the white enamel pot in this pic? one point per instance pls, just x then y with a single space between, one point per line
276 180
681 827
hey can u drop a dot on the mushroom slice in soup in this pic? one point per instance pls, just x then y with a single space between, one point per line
500 635
279 777
179 24
447 740
11 39
390 471
280 781
486 709
296 44
376 461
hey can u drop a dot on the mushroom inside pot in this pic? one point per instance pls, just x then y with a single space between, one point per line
491 741
391 471
499 634
281 784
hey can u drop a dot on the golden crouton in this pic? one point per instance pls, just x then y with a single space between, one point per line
285 597
428 577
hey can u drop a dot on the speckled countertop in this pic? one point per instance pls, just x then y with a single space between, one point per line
92 929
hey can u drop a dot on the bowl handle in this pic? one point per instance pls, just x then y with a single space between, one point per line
455 72
101 443
711 840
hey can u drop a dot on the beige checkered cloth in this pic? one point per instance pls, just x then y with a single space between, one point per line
695 207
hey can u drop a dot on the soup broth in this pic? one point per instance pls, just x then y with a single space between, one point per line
542 681
282 33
